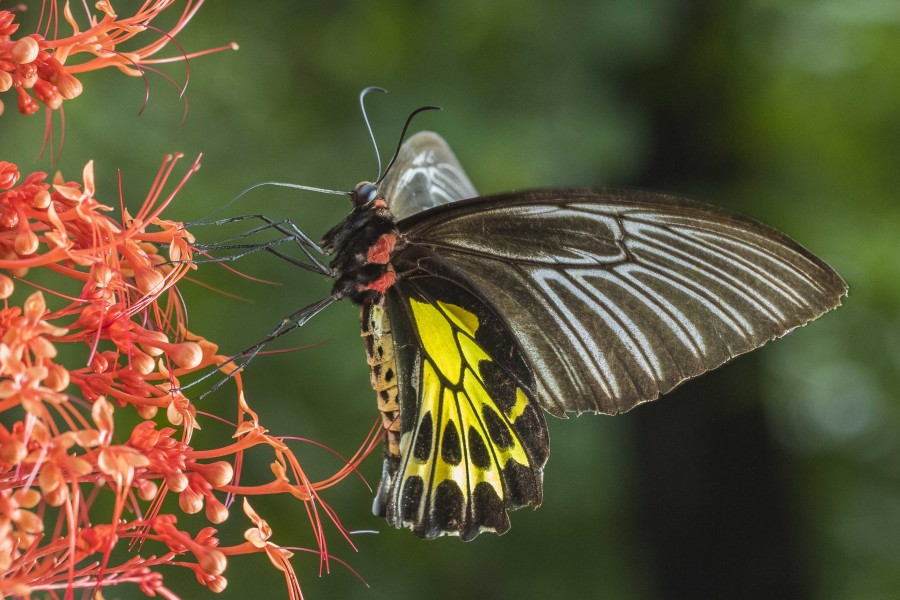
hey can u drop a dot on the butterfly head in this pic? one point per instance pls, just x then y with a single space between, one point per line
364 194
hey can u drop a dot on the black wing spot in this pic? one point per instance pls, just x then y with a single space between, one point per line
448 505
496 427
500 386
488 509
422 448
531 427
413 486
478 452
451 449
523 486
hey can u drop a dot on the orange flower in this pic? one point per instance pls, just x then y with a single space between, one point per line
258 536
42 70
61 451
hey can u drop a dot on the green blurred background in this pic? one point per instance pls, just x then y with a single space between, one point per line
777 476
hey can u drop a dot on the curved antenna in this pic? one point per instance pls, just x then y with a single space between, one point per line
362 106
403 135
275 183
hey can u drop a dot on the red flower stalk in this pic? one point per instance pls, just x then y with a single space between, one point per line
65 443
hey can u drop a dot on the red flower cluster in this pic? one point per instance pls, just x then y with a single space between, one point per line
63 448
93 344
47 66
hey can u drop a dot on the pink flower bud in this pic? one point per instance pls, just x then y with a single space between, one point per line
147 411
149 280
141 362
177 482
69 86
217 474
9 175
41 200
25 50
217 584
27 104
12 451
7 287
57 496
190 501
212 562
147 489
215 510
57 377
186 355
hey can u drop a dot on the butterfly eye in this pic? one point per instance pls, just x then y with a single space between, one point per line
366 193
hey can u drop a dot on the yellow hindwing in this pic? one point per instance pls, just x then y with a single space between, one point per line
462 435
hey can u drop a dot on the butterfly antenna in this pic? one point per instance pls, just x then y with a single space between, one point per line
362 106
295 186
402 136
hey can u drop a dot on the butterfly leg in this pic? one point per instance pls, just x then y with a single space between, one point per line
290 231
242 359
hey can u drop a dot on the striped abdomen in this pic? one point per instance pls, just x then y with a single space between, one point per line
376 333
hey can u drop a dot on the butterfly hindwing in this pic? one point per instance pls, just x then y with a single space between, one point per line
425 174
473 439
619 296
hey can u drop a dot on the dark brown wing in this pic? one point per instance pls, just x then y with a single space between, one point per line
615 297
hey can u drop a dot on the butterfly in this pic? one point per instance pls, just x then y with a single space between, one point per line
480 314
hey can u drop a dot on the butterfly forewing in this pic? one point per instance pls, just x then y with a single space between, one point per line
425 174
616 297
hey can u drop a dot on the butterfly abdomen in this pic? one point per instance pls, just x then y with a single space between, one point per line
362 245
376 333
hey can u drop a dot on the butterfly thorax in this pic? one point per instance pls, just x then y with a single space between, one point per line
362 245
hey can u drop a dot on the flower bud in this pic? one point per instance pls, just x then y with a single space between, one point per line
50 477
186 355
26 243
47 93
28 522
177 481
25 50
212 562
190 501
215 510
69 86
146 489
99 364
149 280
141 363
147 411
12 451
217 584
9 173
27 104
217 474
41 200
57 496
57 377
7 287
152 340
